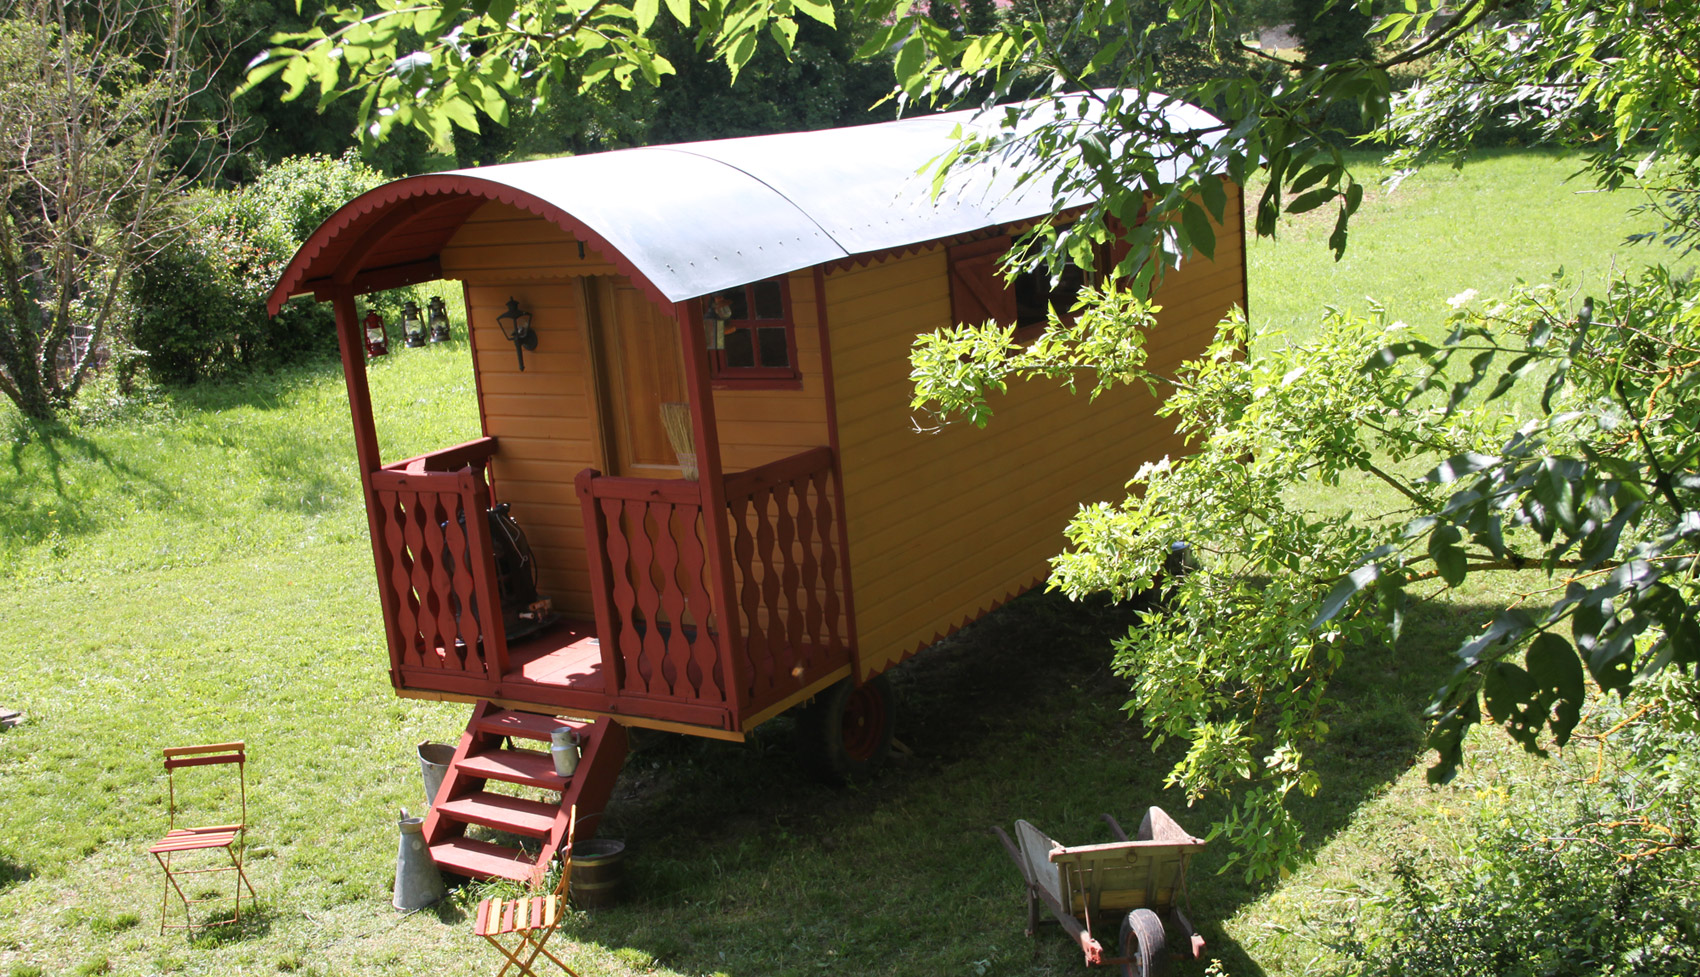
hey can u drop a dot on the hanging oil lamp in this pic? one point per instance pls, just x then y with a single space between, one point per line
413 329
377 342
438 321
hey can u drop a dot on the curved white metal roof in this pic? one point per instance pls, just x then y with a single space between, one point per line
698 217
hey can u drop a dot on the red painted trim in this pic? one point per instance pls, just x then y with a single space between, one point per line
756 383
477 378
670 490
744 483
601 599
393 276
761 377
294 279
474 452
1245 278
830 392
352 346
694 347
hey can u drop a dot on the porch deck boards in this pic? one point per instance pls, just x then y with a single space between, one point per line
567 655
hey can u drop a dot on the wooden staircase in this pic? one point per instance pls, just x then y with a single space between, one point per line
488 751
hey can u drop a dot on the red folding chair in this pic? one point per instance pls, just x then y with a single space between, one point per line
518 928
187 853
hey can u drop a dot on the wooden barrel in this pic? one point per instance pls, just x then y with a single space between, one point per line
598 866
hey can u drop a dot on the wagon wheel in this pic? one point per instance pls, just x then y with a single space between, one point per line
845 733
1143 944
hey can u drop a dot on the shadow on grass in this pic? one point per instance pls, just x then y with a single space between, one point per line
739 865
42 453
255 924
11 873
47 492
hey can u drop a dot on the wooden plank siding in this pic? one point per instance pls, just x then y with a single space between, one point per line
503 242
945 526
762 425
543 417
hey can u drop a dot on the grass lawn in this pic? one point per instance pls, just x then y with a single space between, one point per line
199 571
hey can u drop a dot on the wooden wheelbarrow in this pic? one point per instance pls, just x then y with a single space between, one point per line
1085 886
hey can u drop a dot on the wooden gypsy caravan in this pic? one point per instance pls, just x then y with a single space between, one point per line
750 302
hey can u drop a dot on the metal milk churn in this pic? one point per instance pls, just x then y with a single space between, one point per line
417 882
563 746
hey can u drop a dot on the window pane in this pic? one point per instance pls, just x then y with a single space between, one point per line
770 301
1066 291
773 351
738 348
1032 291
735 298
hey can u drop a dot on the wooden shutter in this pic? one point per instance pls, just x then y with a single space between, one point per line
977 289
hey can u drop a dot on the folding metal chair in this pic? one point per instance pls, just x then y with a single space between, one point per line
176 852
518 928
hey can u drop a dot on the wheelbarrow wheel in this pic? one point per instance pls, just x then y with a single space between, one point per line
1143 944
845 733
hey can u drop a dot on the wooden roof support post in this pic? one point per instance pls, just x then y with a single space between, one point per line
712 483
830 392
353 348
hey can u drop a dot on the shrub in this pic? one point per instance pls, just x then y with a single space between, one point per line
1597 879
200 306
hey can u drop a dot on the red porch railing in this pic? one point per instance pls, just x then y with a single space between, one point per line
654 582
649 577
436 574
786 575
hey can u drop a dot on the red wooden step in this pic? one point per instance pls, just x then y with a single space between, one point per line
482 860
515 814
527 725
516 767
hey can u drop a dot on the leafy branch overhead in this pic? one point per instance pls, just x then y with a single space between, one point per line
1537 435
434 66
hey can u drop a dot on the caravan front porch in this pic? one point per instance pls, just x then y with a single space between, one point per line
717 603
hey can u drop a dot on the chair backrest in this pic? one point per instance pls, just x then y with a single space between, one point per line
178 757
566 856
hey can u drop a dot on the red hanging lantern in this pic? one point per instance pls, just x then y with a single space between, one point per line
377 343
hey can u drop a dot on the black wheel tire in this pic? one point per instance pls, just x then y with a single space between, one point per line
844 734
1143 945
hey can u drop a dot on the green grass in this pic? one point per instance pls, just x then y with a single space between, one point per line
200 570
1508 216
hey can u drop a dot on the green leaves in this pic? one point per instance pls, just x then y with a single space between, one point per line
1447 554
436 82
1236 662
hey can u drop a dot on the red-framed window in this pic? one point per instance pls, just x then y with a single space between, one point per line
758 339
979 291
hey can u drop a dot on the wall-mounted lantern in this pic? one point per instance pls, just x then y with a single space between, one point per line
438 321
413 329
516 328
377 344
715 312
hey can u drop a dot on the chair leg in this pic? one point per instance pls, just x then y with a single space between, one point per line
522 962
165 896
512 957
537 942
172 885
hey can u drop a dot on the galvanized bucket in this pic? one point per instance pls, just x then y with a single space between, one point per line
434 760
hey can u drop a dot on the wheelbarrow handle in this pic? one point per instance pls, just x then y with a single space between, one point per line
1014 853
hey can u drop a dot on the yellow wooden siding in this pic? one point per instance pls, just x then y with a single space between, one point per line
541 417
503 242
761 426
943 526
